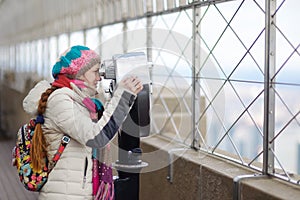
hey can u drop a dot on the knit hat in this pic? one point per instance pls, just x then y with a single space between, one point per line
75 62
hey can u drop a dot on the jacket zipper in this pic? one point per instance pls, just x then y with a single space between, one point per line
84 174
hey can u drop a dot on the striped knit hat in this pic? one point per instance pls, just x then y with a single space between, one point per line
75 62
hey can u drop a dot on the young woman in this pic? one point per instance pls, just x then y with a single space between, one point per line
68 106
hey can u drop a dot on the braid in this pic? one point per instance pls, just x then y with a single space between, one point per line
39 145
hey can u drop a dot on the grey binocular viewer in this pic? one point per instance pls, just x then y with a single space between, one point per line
128 64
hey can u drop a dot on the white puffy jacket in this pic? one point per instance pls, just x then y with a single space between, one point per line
65 114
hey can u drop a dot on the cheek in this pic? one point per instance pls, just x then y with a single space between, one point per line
89 77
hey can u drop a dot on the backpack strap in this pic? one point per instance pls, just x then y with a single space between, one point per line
64 141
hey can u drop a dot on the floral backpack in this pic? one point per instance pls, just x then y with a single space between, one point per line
32 180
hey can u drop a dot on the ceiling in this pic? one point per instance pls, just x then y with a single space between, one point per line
19 19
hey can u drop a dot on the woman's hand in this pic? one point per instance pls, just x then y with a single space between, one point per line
133 84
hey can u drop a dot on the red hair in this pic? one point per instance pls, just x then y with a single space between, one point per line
38 150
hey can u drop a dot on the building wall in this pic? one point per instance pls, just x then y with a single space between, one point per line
197 175
11 98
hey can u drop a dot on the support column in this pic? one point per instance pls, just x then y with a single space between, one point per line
195 78
269 93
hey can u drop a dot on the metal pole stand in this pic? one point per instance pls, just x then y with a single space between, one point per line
129 164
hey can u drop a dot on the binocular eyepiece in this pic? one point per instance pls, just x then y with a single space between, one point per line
108 69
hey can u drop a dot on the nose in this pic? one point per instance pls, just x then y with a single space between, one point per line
98 78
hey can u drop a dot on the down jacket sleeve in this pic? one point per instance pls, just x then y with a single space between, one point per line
71 118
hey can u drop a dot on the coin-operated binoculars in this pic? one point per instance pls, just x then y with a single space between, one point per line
136 125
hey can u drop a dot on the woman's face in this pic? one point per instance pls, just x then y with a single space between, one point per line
92 76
